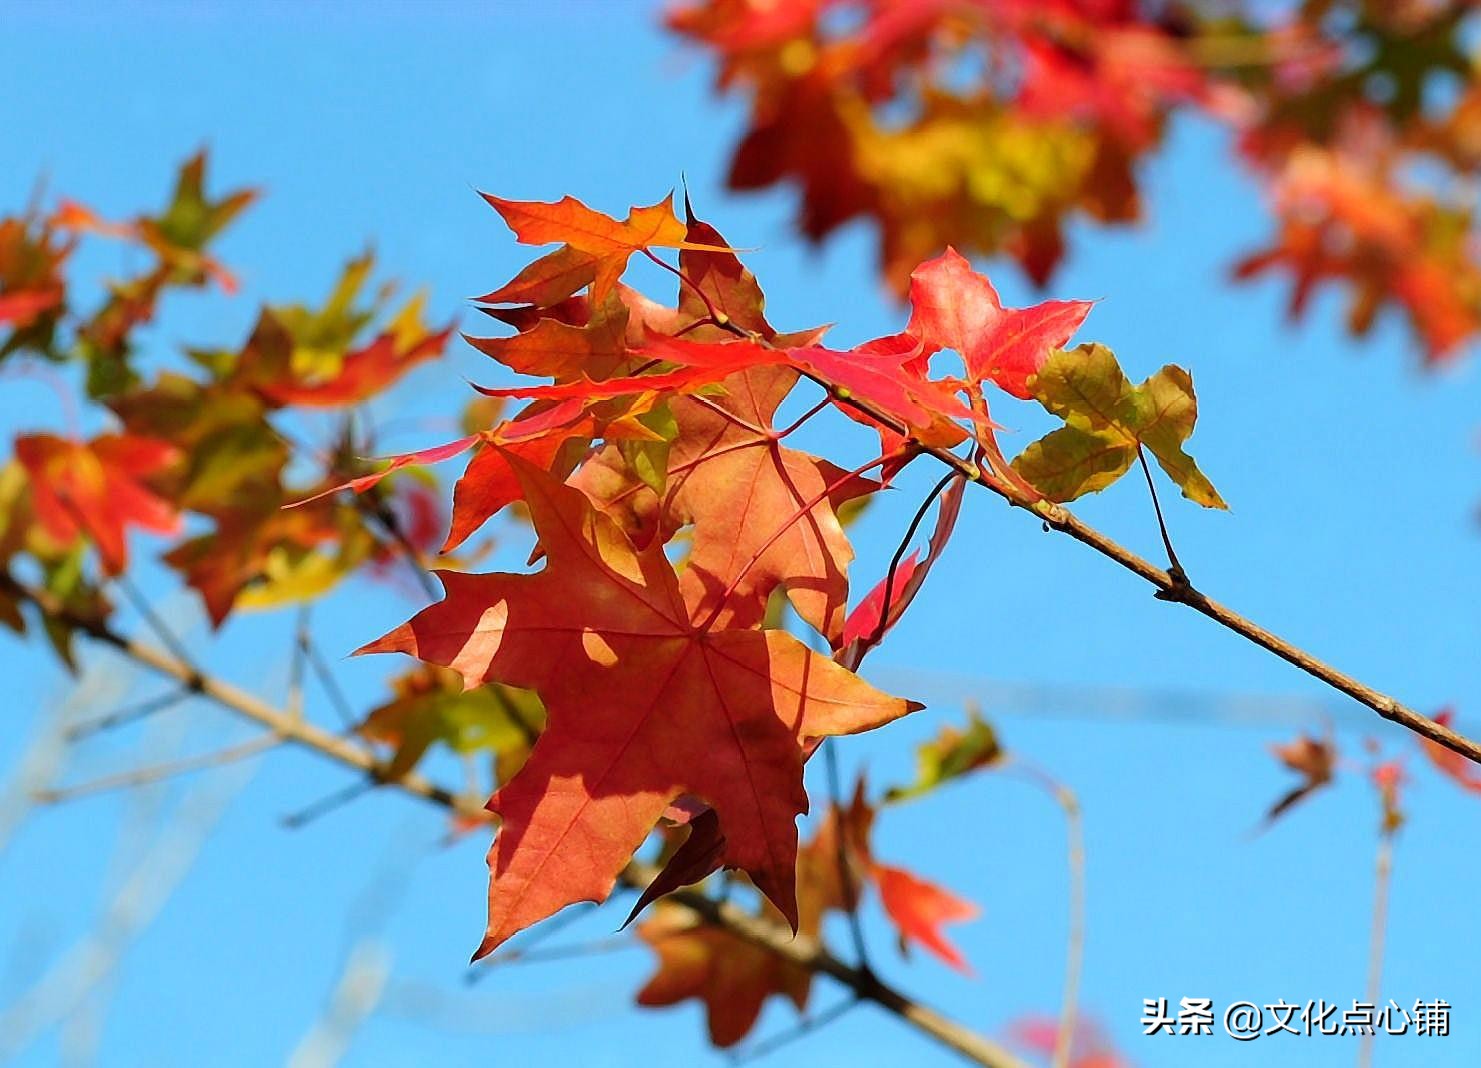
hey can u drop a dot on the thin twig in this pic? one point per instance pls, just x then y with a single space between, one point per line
296 663
531 938
152 620
159 772
808 953
297 731
1383 877
1064 1036
804 1027
128 714
331 686
328 803
382 513
138 900
851 895
542 954
717 317
358 990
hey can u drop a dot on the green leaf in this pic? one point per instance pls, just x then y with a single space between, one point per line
950 755
649 460
431 706
1106 418
191 220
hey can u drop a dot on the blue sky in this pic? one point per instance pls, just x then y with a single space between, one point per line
1353 480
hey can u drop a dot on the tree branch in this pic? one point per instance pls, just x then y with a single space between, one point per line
1169 588
798 949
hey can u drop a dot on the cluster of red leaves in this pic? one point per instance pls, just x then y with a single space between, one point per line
660 422
200 451
989 124
641 679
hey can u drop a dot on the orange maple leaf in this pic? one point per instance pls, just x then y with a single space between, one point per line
644 705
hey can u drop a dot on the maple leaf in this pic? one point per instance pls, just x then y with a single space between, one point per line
192 220
871 619
1090 1048
879 372
731 976
1314 759
32 289
764 515
540 435
596 246
97 489
919 909
547 281
551 348
718 968
274 549
717 280
887 375
954 307
233 458
362 373
679 709
431 705
950 755
305 356
1106 420
179 234
551 437
1452 765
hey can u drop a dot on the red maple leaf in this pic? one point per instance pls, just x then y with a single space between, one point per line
919 909
955 307
97 489
764 514
645 704
362 374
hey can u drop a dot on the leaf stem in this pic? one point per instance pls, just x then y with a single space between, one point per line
803 418
889 583
1174 568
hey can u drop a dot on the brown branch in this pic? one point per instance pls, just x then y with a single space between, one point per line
798 949
810 954
1170 588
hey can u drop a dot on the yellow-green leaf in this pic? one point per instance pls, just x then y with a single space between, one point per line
1106 419
951 754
